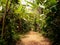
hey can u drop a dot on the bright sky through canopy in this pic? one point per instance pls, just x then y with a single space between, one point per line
24 1
0 8
28 8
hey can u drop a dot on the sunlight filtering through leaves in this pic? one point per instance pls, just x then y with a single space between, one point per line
23 2
0 8
42 6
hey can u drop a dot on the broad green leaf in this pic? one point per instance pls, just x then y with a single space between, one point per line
3 1
18 10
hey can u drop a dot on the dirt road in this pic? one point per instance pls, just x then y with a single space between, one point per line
34 38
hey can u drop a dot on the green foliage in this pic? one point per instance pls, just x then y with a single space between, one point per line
25 26
52 28
15 1
10 25
50 3
2 42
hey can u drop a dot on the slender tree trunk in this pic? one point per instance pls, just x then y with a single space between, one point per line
4 16
3 22
20 28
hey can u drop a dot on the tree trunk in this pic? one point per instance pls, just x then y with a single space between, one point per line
3 22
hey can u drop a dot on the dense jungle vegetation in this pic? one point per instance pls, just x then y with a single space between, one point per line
17 17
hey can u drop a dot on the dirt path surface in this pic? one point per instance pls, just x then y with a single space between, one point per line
34 38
